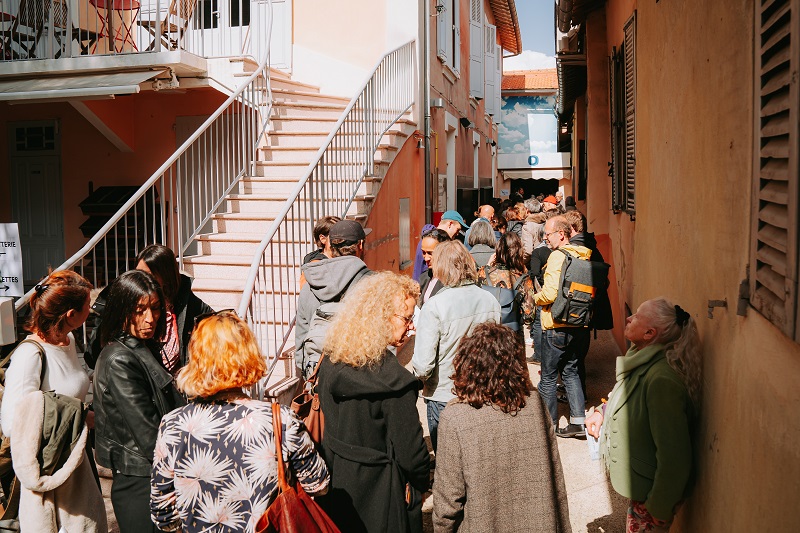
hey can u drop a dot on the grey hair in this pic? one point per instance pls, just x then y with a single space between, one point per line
533 205
482 233
681 342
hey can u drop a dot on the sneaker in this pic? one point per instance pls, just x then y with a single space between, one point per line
532 359
571 431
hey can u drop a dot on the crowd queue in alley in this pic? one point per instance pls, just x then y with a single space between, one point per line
191 451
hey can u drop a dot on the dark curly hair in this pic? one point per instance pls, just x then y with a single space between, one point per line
490 369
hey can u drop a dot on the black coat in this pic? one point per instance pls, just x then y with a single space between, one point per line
132 391
187 307
424 280
373 446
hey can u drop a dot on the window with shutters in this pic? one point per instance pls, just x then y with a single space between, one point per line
774 247
622 90
491 85
448 34
476 49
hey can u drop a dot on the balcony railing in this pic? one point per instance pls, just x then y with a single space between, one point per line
55 29
329 187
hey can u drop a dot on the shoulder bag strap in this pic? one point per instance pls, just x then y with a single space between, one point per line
277 434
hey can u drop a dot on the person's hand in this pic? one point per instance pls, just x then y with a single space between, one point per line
90 419
594 423
492 260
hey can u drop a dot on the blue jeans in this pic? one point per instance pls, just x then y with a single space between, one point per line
562 349
434 410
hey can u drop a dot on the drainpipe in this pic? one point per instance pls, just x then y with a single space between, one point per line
564 15
425 90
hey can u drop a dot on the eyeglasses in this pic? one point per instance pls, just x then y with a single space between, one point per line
547 235
407 320
223 312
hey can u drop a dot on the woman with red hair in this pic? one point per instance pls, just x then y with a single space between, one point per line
48 361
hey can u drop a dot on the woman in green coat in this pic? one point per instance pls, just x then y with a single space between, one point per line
645 428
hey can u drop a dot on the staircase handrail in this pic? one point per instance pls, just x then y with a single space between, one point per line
291 203
261 71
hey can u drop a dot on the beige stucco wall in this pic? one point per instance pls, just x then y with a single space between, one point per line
691 243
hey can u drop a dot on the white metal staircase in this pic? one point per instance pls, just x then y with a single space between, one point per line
238 201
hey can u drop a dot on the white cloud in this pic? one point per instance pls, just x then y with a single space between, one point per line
513 119
512 136
529 60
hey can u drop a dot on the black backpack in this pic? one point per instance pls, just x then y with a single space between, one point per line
581 283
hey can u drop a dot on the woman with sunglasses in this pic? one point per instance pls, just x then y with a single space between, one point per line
373 442
132 392
48 361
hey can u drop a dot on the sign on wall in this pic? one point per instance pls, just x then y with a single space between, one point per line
10 261
528 133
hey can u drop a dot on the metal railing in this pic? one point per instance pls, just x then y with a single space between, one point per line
55 29
328 187
177 202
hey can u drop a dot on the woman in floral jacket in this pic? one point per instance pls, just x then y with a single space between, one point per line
214 466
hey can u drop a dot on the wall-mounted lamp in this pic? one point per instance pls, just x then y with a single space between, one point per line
493 143
437 103
466 123
419 137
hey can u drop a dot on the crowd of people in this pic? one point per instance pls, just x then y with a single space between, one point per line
190 451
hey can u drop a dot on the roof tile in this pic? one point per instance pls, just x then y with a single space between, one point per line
530 79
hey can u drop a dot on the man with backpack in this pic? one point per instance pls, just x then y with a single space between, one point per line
562 342
327 281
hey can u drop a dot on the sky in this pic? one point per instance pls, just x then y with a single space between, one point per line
537 27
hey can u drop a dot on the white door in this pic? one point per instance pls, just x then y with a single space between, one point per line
232 28
37 196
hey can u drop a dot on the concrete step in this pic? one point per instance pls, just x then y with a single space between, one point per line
288 109
292 85
251 223
237 267
301 124
289 153
259 184
294 95
297 138
244 244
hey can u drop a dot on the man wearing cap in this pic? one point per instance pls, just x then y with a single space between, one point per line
327 281
549 203
452 222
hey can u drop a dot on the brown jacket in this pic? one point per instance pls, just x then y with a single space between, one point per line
511 466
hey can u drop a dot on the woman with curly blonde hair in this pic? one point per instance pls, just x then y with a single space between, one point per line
373 444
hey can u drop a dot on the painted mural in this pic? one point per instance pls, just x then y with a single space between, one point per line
528 133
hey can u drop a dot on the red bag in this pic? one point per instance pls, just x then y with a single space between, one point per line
306 406
293 511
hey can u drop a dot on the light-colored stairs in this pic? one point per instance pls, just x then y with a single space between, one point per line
301 120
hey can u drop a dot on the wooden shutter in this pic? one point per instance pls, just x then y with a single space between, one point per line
476 48
442 30
456 44
490 65
629 56
774 244
616 170
498 82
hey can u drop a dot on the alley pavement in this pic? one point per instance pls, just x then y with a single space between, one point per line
594 507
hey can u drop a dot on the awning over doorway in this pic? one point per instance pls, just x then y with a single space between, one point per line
78 87
538 174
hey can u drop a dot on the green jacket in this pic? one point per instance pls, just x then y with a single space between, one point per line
646 436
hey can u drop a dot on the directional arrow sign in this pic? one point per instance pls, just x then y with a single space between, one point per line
10 261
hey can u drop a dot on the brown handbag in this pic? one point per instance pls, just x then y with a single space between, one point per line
293 511
306 406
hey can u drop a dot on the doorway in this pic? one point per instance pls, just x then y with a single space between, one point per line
37 196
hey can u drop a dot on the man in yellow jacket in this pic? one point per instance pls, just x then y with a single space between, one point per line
562 344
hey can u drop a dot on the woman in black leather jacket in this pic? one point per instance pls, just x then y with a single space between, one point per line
182 306
132 392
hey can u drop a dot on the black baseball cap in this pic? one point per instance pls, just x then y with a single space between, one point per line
349 231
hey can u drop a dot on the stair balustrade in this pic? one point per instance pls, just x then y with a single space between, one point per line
329 187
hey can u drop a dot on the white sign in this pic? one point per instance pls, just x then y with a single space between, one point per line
10 261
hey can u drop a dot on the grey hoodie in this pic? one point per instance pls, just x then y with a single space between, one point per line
326 281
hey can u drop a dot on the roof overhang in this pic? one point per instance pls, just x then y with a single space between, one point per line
505 18
85 87
573 12
571 81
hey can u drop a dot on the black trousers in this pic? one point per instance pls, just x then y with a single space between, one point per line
130 496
